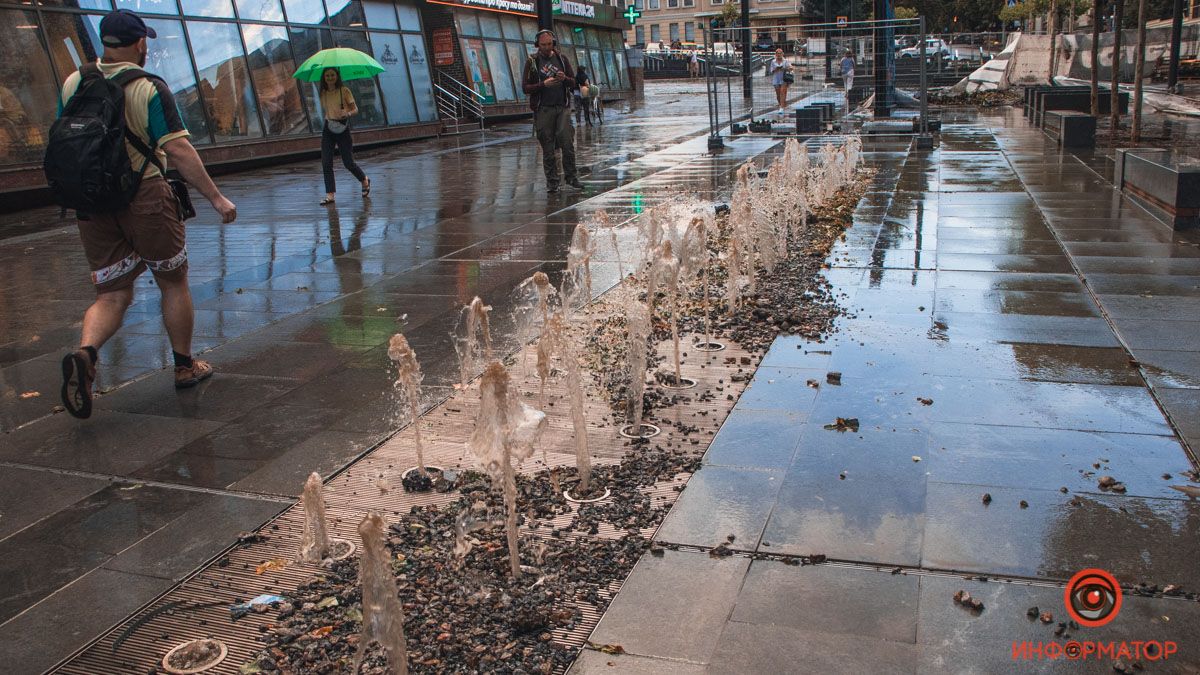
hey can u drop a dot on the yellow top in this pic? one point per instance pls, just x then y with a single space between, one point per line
336 104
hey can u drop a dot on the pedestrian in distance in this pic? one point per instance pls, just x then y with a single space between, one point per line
337 103
136 222
547 79
846 66
582 98
694 64
780 70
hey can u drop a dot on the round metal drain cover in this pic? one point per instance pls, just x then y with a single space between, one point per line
648 431
194 656
684 383
573 500
710 346
340 549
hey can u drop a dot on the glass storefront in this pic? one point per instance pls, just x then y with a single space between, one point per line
228 62
496 46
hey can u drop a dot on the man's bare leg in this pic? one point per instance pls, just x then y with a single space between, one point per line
178 314
102 320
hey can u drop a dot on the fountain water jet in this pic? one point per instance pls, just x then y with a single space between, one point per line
314 542
408 383
383 615
475 329
505 430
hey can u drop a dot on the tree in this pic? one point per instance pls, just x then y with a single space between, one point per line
906 13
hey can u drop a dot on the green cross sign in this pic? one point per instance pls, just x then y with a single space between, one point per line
632 14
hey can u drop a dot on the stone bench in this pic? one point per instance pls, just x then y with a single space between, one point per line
1030 94
1072 129
808 120
1163 180
1079 101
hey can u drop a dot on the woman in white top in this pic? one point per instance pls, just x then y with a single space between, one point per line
777 68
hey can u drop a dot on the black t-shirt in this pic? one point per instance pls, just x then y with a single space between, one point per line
555 94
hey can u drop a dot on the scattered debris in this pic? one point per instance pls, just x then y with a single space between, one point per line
925 401
964 599
987 498
833 377
843 424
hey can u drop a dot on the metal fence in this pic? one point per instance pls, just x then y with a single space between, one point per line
912 61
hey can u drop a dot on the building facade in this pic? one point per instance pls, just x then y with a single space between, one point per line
665 22
230 64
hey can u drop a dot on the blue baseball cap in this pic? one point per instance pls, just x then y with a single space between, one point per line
123 28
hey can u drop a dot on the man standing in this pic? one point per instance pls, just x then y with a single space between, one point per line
148 232
694 64
547 80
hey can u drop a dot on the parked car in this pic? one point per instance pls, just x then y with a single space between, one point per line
933 46
764 43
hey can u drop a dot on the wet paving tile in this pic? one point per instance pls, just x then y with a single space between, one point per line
851 519
175 550
954 641
73 615
1150 307
1067 330
1170 369
1016 302
780 390
1183 405
1139 284
324 452
756 440
851 601
1164 335
591 662
1152 540
656 613
27 496
222 397
1052 459
756 648
1085 407
1127 265
721 501
104 444
1009 281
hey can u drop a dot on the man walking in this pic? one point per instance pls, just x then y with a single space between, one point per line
148 232
846 66
547 80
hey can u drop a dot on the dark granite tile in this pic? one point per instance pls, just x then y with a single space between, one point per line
756 648
105 443
1151 307
1170 369
1134 538
324 452
656 613
1050 459
721 501
54 628
28 496
1183 405
859 602
1047 404
194 537
223 397
779 390
1183 336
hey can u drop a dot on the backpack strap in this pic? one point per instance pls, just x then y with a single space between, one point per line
123 79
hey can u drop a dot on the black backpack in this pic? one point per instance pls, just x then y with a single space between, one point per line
86 164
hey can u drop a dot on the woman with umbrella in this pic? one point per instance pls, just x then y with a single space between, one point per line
338 105
328 68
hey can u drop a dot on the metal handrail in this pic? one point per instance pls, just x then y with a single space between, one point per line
453 99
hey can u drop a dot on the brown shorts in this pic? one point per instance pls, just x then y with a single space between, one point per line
146 234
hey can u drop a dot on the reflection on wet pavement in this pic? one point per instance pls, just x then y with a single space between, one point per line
1015 329
295 304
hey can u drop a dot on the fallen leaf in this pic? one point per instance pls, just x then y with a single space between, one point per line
326 603
925 401
321 632
1191 491
271 565
31 394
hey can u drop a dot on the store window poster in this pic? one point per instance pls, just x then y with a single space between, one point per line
477 68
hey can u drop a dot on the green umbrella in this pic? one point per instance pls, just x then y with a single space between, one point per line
351 63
